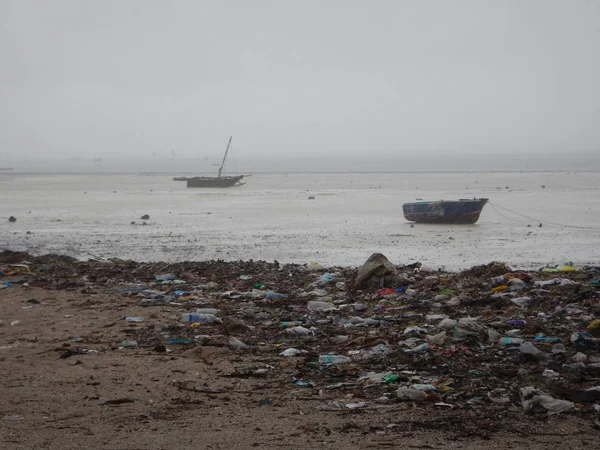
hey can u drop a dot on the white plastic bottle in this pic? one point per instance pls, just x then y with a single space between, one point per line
199 318
333 359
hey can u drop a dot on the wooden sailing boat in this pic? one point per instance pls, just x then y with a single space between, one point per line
214 182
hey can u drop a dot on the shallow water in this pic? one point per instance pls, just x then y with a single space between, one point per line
271 218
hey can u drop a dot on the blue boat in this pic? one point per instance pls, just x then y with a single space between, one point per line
463 211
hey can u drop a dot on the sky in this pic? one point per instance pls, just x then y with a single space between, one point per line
299 79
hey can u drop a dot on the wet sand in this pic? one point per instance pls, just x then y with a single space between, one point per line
272 218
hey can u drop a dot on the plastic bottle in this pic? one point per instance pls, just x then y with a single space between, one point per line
521 301
424 387
299 331
315 305
328 278
290 352
299 382
166 277
276 296
417 349
333 359
176 341
495 281
370 322
510 341
236 343
199 318
410 394
394 378
134 319
294 323
516 284
551 340
214 311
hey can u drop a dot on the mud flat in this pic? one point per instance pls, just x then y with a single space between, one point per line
351 216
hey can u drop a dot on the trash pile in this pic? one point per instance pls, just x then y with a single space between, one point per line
490 338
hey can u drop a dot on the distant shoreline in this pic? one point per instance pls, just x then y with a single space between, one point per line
298 172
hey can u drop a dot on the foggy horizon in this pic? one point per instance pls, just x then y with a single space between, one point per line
388 80
334 163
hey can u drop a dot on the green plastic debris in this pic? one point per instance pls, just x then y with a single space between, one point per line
448 292
392 379
180 341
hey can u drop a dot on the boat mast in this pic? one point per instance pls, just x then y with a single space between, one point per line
225 157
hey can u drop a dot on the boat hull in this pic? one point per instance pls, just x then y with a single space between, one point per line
445 212
213 182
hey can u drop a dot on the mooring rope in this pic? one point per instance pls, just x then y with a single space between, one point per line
529 219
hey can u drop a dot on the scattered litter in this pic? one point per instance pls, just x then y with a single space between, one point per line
369 338
536 401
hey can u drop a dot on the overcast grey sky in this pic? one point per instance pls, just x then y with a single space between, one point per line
132 77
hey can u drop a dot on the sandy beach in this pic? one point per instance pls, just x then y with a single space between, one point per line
95 355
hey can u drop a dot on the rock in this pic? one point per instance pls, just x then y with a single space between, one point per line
558 349
12 219
409 394
377 272
591 395
233 325
145 217
339 339
313 266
